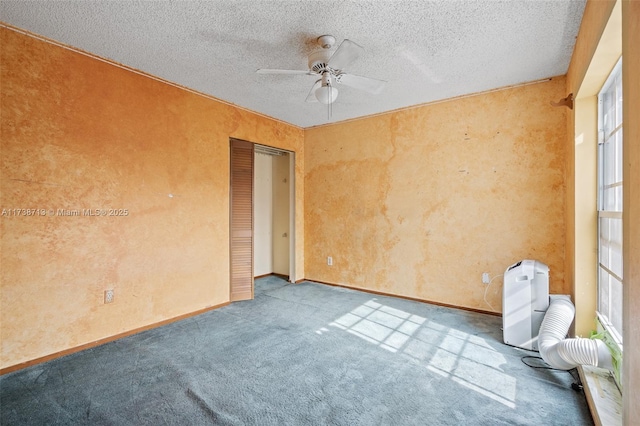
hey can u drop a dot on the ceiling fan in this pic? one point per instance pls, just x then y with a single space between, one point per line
330 68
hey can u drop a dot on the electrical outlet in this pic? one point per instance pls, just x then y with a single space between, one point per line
330 261
485 278
108 296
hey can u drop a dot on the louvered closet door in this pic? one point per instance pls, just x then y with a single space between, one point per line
241 220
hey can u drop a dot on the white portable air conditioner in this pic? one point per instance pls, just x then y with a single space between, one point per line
525 299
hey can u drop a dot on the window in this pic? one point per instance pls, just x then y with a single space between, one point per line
610 279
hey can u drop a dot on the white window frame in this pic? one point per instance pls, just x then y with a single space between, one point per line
616 214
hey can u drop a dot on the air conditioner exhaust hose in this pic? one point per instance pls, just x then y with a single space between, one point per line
565 354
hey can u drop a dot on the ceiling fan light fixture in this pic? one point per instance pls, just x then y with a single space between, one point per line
326 94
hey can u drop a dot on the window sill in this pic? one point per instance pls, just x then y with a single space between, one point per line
603 396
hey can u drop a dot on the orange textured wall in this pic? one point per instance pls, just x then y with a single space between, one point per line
422 201
80 133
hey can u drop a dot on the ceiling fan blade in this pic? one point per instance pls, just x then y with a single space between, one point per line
311 97
367 84
348 52
282 72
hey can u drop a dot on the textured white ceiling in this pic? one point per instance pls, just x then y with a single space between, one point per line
426 50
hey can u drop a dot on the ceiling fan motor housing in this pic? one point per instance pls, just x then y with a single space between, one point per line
318 60
326 41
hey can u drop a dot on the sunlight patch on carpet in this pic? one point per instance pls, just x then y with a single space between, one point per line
466 359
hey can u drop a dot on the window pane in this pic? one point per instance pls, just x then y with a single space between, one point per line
603 293
609 198
618 100
604 241
608 111
615 246
609 162
617 160
615 302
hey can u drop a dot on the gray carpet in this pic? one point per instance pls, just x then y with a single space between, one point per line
303 354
